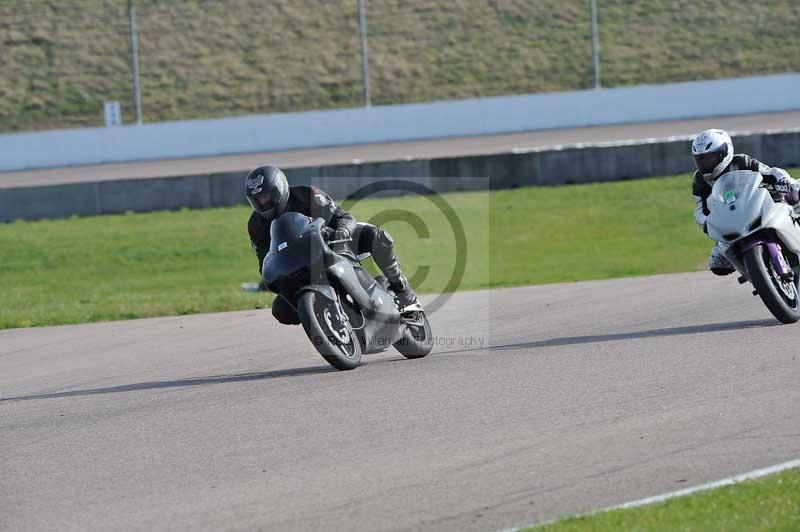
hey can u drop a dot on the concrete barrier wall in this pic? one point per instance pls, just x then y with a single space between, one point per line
400 122
554 166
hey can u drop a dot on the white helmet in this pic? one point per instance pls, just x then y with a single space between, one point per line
712 150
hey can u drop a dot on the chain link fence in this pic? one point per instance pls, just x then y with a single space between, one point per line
62 59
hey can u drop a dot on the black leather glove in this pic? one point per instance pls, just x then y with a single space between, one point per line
781 185
341 234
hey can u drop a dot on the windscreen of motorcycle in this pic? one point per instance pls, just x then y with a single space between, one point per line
296 243
736 204
287 228
733 187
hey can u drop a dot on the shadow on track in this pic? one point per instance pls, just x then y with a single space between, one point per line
197 381
652 333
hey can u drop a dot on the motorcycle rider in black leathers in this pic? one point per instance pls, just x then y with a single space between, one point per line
713 155
269 194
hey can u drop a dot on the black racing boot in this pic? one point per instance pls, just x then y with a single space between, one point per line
404 292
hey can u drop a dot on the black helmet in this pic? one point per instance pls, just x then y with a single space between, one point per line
267 191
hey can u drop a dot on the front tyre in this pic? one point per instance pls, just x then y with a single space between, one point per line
779 295
332 337
417 340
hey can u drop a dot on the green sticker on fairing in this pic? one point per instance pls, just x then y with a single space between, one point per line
730 196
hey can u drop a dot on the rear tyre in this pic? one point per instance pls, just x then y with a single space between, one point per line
332 337
417 340
779 295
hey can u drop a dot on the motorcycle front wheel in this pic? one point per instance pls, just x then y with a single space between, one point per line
779 295
332 337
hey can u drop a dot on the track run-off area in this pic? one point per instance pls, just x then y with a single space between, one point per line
536 402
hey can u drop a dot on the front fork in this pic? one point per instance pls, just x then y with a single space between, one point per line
777 258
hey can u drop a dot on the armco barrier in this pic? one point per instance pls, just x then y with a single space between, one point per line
482 116
550 166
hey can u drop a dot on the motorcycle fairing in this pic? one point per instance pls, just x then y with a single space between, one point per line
744 214
380 318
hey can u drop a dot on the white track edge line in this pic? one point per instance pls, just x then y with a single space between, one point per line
729 481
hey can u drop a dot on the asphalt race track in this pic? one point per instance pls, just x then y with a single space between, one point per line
583 395
423 149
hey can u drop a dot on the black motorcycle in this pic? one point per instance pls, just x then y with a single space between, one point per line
345 311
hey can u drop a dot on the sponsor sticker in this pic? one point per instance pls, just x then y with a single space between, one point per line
730 196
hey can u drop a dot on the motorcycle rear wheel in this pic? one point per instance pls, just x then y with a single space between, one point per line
780 303
332 339
417 340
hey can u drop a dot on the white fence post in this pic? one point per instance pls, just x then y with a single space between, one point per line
595 44
137 95
362 29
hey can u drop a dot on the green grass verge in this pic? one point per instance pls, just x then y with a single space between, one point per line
770 503
167 263
62 59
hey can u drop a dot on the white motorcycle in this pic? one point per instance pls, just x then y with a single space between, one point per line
760 235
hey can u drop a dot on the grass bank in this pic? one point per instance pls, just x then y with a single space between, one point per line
62 59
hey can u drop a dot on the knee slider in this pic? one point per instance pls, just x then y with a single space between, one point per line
284 312
722 271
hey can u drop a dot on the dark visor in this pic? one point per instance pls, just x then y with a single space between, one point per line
706 162
262 203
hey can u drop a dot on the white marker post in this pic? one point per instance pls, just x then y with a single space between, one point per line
113 114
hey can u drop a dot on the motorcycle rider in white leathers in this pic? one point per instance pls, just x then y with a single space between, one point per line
713 155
